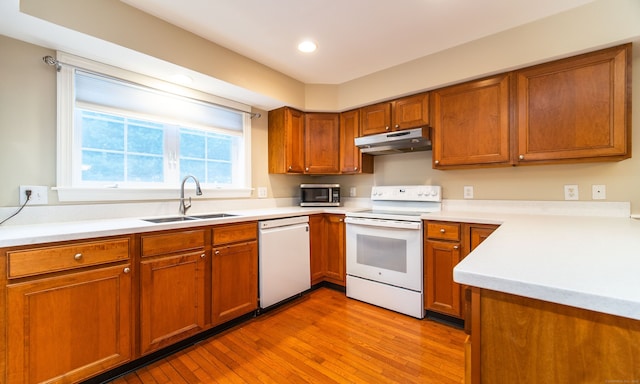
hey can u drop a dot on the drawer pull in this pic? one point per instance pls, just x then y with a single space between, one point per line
217 252
78 256
126 270
442 230
455 247
203 256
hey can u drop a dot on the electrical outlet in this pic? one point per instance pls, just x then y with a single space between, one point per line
599 192
262 192
352 192
468 192
571 192
39 194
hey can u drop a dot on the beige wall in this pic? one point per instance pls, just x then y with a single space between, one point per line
28 122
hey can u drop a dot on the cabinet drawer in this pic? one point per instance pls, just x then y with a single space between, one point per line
443 231
235 232
58 258
153 245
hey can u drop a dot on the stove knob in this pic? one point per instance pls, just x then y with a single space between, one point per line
434 193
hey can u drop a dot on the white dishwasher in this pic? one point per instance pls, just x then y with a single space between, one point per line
284 265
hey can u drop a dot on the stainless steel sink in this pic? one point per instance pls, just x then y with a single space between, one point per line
170 219
187 218
213 216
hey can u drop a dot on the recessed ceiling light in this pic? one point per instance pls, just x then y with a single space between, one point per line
182 79
307 46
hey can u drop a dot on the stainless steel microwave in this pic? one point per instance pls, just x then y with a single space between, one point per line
319 195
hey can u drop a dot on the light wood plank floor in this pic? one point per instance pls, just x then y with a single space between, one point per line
321 338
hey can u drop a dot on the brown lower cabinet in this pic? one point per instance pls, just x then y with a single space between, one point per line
515 339
73 310
445 245
327 235
69 325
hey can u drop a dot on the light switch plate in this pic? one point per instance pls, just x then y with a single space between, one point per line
599 192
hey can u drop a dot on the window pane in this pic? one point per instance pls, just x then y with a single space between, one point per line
142 168
101 131
218 172
193 167
192 144
219 147
143 139
102 166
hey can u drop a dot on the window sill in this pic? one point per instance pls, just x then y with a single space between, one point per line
74 194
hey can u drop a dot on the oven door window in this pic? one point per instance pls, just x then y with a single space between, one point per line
382 252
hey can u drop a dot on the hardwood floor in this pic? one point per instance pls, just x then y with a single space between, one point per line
321 338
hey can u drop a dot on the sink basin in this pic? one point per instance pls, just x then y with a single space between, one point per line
169 219
213 216
187 218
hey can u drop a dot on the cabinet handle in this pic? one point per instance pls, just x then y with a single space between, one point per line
437 162
78 256
355 168
203 256
341 220
386 128
217 252
290 167
397 125
442 230
126 270
455 247
521 157
306 169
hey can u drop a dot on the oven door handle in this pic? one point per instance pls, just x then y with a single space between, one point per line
384 223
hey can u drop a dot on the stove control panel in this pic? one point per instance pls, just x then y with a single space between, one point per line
407 193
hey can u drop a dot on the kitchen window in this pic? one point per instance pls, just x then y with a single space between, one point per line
126 136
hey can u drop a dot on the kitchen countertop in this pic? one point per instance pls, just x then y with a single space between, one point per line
582 261
590 262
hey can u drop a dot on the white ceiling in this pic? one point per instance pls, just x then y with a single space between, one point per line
355 37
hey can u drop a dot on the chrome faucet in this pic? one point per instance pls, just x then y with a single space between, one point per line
184 206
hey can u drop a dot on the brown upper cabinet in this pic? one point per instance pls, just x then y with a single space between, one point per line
470 123
322 143
351 159
405 113
286 141
576 109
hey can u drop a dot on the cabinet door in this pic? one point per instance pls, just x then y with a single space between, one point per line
322 143
351 159
471 123
375 119
336 262
234 277
577 108
171 299
442 293
317 244
286 141
70 327
411 112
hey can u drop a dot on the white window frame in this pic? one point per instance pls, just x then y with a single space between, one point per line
67 192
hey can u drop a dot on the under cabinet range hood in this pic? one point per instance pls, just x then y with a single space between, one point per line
409 140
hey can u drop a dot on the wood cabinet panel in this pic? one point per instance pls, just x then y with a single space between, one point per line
322 143
335 249
234 281
171 299
576 109
70 327
39 260
352 160
174 241
317 241
528 340
411 112
286 141
442 293
471 123
231 233
375 119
